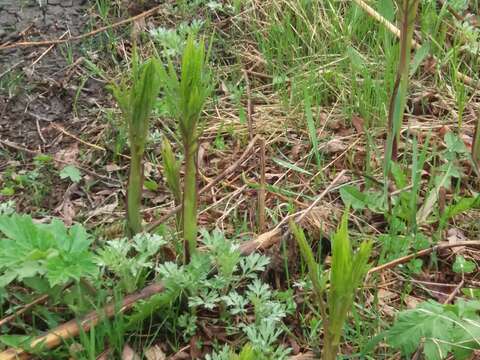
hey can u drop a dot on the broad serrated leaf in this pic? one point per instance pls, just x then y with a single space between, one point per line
409 330
359 200
352 196
71 172
455 144
438 327
463 266
32 249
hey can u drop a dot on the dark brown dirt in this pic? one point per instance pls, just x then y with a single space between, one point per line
38 85
41 89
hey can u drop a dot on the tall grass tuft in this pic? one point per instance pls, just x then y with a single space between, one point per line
347 273
136 102
185 97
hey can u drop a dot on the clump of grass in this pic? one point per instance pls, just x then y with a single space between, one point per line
347 273
136 102
185 97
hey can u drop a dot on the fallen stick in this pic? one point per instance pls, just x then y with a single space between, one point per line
423 252
23 310
83 36
263 241
72 328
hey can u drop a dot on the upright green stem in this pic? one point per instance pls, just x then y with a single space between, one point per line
330 347
190 199
134 192
476 145
407 14
136 102
185 97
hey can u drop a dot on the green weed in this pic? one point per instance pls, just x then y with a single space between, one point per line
346 275
186 96
136 103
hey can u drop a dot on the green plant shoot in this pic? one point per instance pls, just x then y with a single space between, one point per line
171 167
136 103
346 275
185 97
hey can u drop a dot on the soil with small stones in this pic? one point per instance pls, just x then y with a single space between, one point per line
37 84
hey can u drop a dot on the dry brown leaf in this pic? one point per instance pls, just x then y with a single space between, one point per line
66 209
148 169
385 298
66 156
195 352
318 222
430 65
106 209
454 236
202 155
155 353
112 167
295 153
68 212
334 146
129 354
358 124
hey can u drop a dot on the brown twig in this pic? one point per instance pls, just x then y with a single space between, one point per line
48 50
407 258
455 291
300 215
271 237
24 309
39 131
11 68
72 328
63 131
83 36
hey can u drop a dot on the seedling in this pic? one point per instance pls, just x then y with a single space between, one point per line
185 97
136 102
346 275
